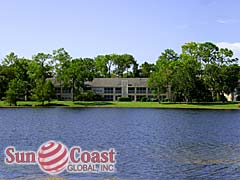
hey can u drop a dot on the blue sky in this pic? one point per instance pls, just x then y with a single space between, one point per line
143 28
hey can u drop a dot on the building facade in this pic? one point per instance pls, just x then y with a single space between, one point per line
110 88
61 92
113 88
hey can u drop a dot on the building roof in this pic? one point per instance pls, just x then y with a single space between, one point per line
117 82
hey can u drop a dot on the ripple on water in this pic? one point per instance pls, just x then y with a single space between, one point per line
151 143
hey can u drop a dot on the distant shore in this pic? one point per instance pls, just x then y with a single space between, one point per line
81 104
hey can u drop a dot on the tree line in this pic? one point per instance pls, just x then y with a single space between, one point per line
29 79
202 72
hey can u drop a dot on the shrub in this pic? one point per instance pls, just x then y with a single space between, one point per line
144 99
223 98
220 98
154 100
89 96
124 99
165 100
238 98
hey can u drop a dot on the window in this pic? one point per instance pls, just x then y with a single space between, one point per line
131 98
131 90
151 97
108 90
66 90
98 90
149 91
66 98
163 97
108 98
118 90
58 90
141 90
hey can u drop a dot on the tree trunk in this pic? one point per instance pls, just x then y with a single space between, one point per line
73 90
232 96
60 89
25 94
158 96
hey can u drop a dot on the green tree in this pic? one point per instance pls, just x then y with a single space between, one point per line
212 73
10 59
13 68
79 71
146 69
7 73
110 58
135 70
21 70
186 77
39 70
117 64
102 69
215 74
231 76
49 91
130 63
156 83
161 79
123 63
61 63
15 91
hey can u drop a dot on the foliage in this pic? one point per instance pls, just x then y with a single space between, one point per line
144 99
124 99
115 65
15 90
49 91
146 69
61 62
202 72
161 79
7 73
79 71
39 70
89 96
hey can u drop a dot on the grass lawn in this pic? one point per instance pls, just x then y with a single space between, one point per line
128 104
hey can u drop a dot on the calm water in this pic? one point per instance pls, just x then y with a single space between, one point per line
151 143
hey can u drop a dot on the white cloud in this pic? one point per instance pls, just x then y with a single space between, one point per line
221 21
228 21
235 47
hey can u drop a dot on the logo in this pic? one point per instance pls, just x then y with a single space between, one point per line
54 157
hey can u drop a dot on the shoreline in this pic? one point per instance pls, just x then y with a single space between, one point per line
104 104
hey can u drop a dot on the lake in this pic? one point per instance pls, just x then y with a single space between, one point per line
150 143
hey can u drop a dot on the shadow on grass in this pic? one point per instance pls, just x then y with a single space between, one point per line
54 104
93 103
40 105
201 103
215 103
